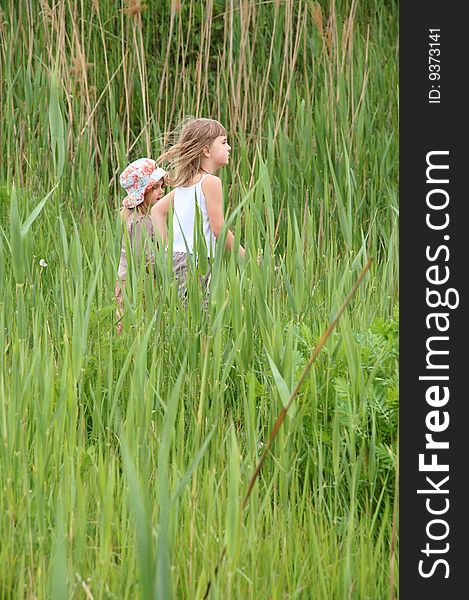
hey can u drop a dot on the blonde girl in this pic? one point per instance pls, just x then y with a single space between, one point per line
202 149
144 182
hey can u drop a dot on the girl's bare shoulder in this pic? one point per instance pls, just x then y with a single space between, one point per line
168 197
211 183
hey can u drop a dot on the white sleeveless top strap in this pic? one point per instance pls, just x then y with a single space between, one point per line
184 218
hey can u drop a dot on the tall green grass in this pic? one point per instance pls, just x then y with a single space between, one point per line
124 460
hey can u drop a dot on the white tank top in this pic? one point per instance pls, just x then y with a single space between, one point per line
184 218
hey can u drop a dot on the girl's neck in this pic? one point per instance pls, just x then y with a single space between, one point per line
208 165
198 176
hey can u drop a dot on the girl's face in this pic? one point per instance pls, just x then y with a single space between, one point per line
154 193
220 151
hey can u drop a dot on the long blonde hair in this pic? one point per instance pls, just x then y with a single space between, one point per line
185 154
142 208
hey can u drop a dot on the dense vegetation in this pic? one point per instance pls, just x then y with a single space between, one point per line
124 460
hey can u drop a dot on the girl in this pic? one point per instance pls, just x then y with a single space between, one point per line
201 150
143 181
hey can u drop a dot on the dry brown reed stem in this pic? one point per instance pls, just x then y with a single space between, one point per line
208 20
185 81
347 38
112 146
176 76
141 63
230 61
284 109
335 48
322 340
284 67
168 46
79 67
204 52
265 82
127 77
243 78
252 40
331 60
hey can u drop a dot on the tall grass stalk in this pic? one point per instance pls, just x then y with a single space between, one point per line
124 458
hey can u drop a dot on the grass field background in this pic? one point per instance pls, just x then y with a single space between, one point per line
124 460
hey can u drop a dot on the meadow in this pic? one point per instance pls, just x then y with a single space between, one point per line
124 460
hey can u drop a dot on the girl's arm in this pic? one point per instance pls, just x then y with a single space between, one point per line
212 189
159 213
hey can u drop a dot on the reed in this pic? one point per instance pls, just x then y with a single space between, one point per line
125 459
